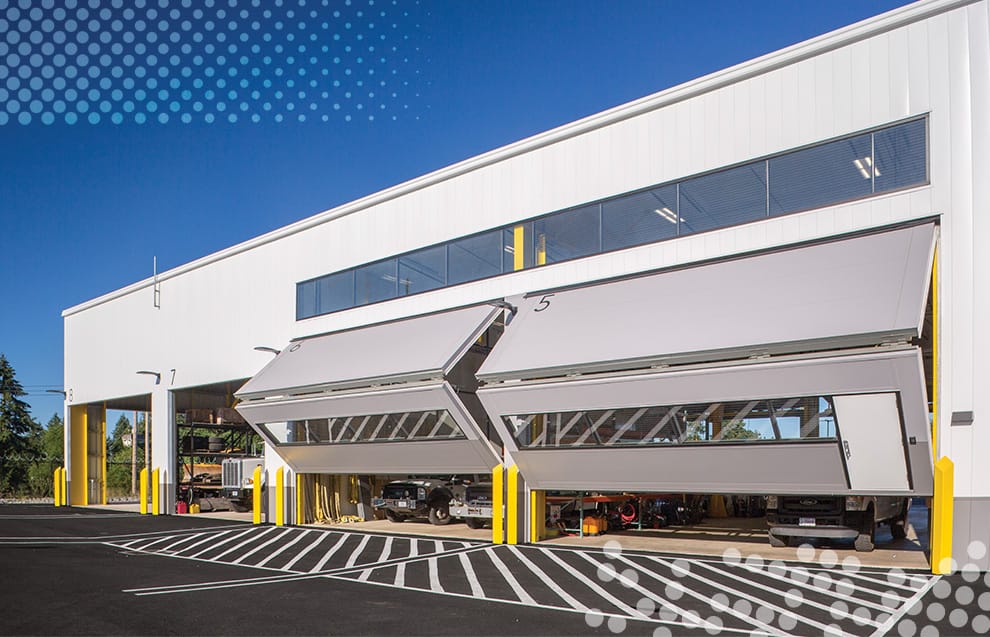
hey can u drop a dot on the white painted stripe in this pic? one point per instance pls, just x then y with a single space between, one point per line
400 575
205 540
413 548
365 574
513 583
738 593
811 586
144 547
434 576
282 549
245 542
263 545
547 580
438 546
221 543
172 546
299 556
594 586
356 553
731 611
329 554
883 628
386 550
472 578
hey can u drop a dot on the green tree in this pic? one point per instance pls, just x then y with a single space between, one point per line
119 457
18 432
50 449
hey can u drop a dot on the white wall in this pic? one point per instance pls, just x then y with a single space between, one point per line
212 314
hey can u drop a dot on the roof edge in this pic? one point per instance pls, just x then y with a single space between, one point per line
843 36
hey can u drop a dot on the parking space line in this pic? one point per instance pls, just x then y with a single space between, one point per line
472 578
183 540
222 542
908 605
305 551
400 575
356 553
330 553
205 540
552 585
510 579
252 538
263 545
594 586
281 550
434 576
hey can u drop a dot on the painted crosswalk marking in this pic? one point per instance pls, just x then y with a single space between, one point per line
720 596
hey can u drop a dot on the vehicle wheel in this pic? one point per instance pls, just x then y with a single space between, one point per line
440 515
898 527
239 507
474 523
392 516
777 541
866 540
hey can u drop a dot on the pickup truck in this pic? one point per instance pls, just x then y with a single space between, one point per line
426 497
476 506
853 517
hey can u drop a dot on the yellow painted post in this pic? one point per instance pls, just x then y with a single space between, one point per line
518 247
512 506
103 458
57 486
935 354
144 490
155 493
256 495
65 487
279 497
942 517
498 522
537 515
541 250
299 500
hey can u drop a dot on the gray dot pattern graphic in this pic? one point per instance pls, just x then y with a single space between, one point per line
205 61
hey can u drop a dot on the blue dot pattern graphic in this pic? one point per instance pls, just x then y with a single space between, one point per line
212 61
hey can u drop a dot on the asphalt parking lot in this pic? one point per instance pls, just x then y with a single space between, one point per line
81 571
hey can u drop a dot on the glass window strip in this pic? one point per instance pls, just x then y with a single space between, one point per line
896 157
755 420
349 430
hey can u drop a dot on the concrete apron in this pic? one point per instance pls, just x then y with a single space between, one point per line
749 536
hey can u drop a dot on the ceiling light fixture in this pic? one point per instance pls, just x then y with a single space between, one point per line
668 214
865 167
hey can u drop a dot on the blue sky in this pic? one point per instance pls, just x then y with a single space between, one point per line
90 192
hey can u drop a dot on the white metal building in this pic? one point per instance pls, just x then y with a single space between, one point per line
794 237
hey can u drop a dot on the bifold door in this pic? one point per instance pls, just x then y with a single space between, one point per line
374 400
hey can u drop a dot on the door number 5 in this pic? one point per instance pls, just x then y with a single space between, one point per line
543 304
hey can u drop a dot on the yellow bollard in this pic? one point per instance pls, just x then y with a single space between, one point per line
256 495
143 480
155 489
498 521
57 486
537 515
942 505
512 506
64 481
279 497
299 499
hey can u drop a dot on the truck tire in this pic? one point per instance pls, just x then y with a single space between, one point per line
392 516
777 541
239 507
898 526
440 514
866 540
474 523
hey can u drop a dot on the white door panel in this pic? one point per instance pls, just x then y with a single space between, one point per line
873 442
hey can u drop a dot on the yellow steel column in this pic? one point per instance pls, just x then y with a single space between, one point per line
65 488
57 486
155 493
537 515
256 496
498 521
519 247
299 499
512 506
78 452
279 497
144 490
941 535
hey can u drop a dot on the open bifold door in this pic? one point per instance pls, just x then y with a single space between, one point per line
792 371
375 399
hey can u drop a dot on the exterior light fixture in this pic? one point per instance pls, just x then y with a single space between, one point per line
56 391
270 350
157 375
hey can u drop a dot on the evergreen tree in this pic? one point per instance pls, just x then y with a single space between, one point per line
18 432
51 450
